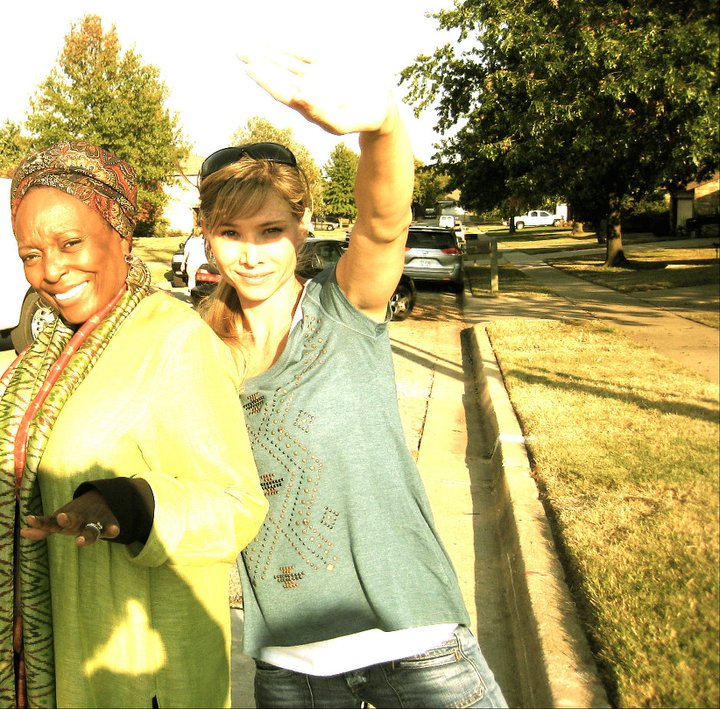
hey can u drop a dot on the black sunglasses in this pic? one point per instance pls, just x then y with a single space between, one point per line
272 152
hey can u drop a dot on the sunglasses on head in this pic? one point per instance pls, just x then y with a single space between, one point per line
272 152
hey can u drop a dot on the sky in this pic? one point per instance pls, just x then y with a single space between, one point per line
195 46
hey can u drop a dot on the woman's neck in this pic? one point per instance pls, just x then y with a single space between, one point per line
267 323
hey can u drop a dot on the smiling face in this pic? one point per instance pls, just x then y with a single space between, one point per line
258 254
72 257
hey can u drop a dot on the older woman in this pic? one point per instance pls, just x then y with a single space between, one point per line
103 438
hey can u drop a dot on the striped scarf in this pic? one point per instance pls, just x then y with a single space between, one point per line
32 394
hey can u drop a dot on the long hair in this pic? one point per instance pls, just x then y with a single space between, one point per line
238 191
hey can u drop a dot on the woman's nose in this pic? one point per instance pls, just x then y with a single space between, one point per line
54 267
249 254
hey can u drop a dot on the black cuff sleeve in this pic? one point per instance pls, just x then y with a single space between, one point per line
131 501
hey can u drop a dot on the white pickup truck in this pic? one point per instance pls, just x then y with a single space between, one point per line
537 217
20 313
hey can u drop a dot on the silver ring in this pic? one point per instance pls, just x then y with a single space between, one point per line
97 526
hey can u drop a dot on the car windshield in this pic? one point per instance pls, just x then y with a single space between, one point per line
430 240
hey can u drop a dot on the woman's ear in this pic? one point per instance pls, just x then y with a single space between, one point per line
305 221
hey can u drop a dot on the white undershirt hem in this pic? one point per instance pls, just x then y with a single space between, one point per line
351 652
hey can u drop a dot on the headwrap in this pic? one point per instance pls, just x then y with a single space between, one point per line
91 174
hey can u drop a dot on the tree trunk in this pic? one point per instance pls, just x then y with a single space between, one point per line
615 255
602 231
511 223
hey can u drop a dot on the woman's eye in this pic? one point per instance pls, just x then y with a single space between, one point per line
229 233
28 258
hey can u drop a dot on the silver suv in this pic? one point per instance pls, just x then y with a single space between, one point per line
432 254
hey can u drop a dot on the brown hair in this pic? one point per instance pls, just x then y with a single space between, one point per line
240 190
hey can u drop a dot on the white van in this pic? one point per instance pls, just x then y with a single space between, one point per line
20 312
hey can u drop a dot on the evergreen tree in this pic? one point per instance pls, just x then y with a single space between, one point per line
340 171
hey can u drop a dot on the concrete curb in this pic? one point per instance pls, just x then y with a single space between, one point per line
554 661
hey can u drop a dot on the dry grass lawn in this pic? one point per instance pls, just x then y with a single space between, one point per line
624 446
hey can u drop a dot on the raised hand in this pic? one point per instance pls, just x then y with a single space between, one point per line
338 97
87 518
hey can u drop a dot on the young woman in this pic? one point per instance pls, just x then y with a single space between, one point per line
349 595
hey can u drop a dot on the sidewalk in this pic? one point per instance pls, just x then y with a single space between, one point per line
656 319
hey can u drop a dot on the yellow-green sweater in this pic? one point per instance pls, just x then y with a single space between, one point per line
133 623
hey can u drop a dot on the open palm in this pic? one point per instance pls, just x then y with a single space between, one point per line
339 98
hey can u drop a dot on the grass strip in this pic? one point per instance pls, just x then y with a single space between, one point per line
624 447
654 269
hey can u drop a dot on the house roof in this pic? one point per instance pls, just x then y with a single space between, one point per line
694 185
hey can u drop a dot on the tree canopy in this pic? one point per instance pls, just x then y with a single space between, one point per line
430 184
260 130
110 98
598 103
13 147
340 171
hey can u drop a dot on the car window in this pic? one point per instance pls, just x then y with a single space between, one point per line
430 240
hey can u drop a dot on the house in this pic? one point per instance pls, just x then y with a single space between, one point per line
699 201
181 211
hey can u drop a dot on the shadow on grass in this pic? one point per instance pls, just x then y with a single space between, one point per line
559 380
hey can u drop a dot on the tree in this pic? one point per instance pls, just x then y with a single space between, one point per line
430 185
340 171
602 103
13 146
260 130
113 100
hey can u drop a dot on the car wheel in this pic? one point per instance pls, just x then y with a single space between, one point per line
519 226
402 302
34 315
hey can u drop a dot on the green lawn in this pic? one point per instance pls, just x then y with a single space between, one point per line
156 252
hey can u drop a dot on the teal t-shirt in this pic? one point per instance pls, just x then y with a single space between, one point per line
348 543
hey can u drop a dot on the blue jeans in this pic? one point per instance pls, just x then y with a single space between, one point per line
453 674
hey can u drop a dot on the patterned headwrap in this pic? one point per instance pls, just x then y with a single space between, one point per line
93 175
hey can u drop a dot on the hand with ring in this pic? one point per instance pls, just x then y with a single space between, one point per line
87 518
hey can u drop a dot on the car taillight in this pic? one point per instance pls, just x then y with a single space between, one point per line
203 276
451 250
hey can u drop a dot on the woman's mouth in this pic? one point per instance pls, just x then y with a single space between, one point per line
68 294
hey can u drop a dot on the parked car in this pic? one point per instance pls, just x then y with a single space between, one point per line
315 255
433 254
535 217
322 225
